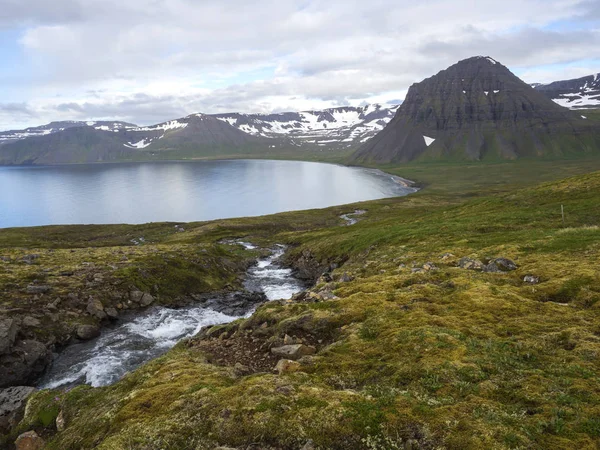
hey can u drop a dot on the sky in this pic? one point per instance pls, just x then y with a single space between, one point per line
153 60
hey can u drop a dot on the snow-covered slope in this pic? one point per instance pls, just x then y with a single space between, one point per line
579 93
343 126
54 127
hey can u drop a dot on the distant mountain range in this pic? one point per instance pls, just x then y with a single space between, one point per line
579 93
477 109
197 135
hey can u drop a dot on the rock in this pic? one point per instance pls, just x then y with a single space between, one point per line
504 264
429 266
288 340
96 308
446 256
24 364
12 406
136 296
287 366
146 300
86 332
233 303
294 351
531 279
8 333
470 264
111 312
310 445
345 278
38 289
32 322
240 370
29 441
325 278
60 421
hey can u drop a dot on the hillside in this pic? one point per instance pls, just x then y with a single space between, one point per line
327 134
478 110
417 346
578 93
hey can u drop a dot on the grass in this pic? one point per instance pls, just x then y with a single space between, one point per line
407 358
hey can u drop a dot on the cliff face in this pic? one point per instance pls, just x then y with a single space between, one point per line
478 109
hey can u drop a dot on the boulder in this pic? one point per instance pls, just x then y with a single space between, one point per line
29 441
429 266
136 296
146 300
12 406
470 264
86 332
27 361
96 308
8 333
504 264
287 366
294 351
346 278
111 312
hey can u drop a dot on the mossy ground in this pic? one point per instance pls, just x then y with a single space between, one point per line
445 358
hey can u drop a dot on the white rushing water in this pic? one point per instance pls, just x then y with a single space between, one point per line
130 343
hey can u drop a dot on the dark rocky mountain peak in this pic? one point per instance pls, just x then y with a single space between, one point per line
475 109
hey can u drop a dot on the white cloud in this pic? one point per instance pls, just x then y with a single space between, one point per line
147 61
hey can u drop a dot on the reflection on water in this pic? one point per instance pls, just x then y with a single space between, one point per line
180 191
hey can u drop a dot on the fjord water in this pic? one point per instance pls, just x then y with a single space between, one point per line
180 191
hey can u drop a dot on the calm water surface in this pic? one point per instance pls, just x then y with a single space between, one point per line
180 191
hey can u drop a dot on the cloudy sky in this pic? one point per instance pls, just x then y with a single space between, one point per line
152 60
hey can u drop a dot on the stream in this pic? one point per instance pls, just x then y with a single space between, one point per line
143 335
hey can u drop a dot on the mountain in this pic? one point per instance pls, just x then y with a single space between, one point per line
477 109
343 127
197 135
579 93
55 127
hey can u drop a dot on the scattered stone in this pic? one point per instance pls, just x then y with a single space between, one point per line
87 332
32 322
96 308
287 366
29 441
288 340
531 279
310 445
240 370
60 421
8 333
146 300
447 256
346 278
470 264
12 406
38 289
5 258
294 351
429 266
504 264
325 278
111 312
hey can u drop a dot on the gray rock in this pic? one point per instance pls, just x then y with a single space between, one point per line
27 361
29 441
38 289
429 266
294 351
96 308
470 264
531 279
12 406
8 333
29 259
146 300
310 445
111 312
32 322
504 264
346 278
86 332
